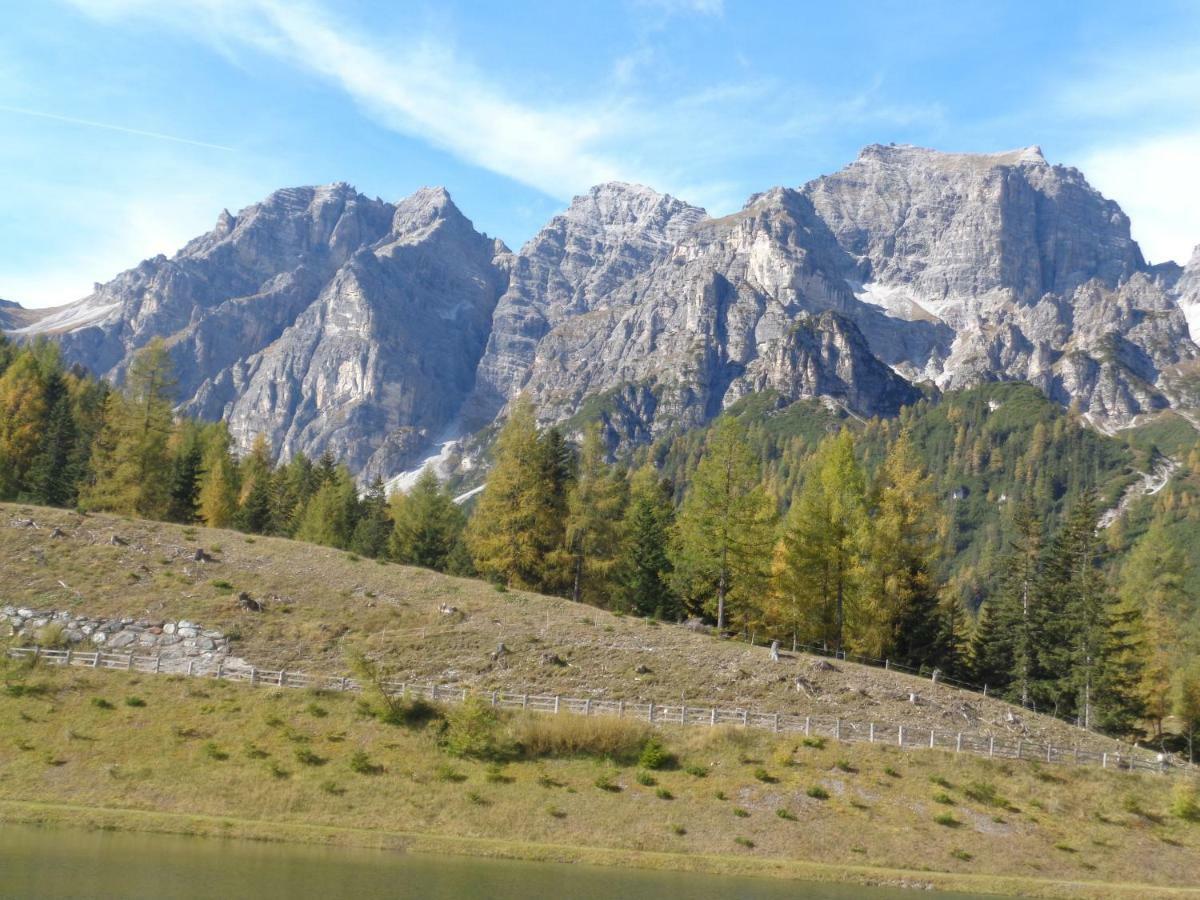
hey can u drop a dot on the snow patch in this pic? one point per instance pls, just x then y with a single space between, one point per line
69 318
897 300
1191 313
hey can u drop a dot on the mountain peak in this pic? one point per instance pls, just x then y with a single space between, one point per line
910 154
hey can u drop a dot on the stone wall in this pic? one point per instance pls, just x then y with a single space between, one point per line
180 641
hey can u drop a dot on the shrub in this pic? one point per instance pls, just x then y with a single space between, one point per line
410 714
947 820
940 781
316 711
961 854
817 792
52 636
555 812
663 794
844 765
254 752
607 784
984 792
222 585
597 736
447 772
942 798
306 757
764 776
101 703
332 788
678 830
495 775
278 771
1185 802
696 771
212 751
1065 847
817 743
890 772
476 798
645 779
741 813
655 755
744 842
720 795
135 702
785 814
361 763
471 730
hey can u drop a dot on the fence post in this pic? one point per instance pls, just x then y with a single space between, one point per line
1019 743
991 746
958 743
775 726
129 662
68 662
524 701
1104 760
493 698
1049 750
96 660
253 676
871 733
282 678
220 669
807 725
745 717
650 715
620 709
464 696
191 662
683 715
837 729
712 716
343 684
157 662
900 736
985 690
556 703
887 664
931 733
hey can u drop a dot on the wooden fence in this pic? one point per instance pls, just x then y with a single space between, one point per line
844 730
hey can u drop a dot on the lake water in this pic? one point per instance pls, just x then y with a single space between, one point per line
42 863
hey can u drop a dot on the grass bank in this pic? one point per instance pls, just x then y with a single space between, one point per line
112 750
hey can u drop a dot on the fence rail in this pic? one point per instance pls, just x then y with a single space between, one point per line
838 729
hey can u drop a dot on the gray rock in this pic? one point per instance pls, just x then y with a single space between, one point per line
123 639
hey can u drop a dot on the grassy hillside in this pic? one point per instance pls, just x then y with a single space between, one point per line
202 757
320 602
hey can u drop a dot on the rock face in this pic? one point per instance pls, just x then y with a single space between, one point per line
318 317
330 321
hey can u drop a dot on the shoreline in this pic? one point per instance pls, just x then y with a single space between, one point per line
61 815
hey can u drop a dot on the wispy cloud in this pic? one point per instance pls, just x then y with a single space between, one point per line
426 89
108 126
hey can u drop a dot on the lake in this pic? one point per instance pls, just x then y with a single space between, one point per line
42 863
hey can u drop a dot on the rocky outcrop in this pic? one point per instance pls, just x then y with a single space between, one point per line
327 320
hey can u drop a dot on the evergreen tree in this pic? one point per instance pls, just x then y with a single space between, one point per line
218 491
517 526
23 413
53 476
723 536
428 525
254 501
131 463
328 516
644 571
1018 601
1123 665
293 485
1185 703
991 651
818 564
595 505
187 460
374 526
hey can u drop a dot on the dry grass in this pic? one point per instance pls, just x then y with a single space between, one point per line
221 752
566 736
320 602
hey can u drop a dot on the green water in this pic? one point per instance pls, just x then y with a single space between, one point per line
37 863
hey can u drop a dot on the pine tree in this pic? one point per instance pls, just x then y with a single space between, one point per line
293 485
1123 664
428 525
187 459
374 527
1185 703
131 463
595 506
991 658
1018 601
818 563
23 412
53 477
723 537
218 489
254 501
644 570
517 527
329 515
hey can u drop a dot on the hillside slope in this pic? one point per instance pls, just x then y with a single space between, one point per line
319 602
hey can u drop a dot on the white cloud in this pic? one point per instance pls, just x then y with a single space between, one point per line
1157 182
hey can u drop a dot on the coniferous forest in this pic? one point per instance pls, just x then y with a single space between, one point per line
963 536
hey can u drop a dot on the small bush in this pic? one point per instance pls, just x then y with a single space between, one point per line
817 743
476 798
645 779
255 752
495 775
764 776
278 771
984 792
844 765
447 772
696 771
607 784
222 585
306 757
1065 848
785 814
817 792
547 782
890 772
135 702
655 756
101 703
944 799
555 812
332 788
317 711
361 763
273 721
744 842
741 813
947 820
962 855
212 751
51 760
471 730
940 781
1185 802
720 795
663 794
678 830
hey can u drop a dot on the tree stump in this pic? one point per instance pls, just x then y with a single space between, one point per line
774 651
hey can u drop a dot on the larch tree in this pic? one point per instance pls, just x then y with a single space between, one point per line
428 524
723 535
217 499
595 507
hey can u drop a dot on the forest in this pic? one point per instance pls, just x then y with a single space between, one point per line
962 536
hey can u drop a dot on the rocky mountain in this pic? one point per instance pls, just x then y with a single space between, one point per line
325 319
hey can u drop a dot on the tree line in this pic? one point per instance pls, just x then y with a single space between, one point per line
850 556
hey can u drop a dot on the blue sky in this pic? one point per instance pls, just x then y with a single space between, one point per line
127 125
